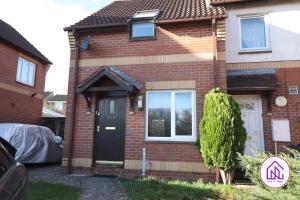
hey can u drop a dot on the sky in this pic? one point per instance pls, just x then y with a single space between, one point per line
41 22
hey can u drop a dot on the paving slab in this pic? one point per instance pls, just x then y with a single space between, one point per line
91 187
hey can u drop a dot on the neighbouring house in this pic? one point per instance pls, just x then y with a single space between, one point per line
54 112
263 69
48 94
139 71
22 78
57 102
54 120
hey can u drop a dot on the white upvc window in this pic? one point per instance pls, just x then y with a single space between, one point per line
254 33
143 29
171 116
25 72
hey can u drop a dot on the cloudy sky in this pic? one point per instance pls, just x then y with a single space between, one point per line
42 22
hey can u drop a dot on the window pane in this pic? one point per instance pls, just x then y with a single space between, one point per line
24 75
142 30
253 33
159 114
31 74
111 107
26 72
19 70
183 110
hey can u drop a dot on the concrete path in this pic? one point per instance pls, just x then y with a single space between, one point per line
91 188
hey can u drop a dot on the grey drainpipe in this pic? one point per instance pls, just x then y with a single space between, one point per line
213 29
214 35
214 50
73 113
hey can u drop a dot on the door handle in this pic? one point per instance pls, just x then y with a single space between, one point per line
98 128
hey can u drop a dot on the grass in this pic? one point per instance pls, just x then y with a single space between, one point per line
153 189
49 191
162 189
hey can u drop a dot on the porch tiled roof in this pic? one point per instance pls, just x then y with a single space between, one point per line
258 79
114 73
119 12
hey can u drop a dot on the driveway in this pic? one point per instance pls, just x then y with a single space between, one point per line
91 187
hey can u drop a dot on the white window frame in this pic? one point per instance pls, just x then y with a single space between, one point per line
142 22
174 138
33 76
267 33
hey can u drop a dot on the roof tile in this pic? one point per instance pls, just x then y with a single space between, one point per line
119 12
13 37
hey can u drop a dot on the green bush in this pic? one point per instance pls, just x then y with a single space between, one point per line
252 167
222 134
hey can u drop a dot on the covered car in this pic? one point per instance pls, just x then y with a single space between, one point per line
34 144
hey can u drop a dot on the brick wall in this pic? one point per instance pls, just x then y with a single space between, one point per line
286 77
171 39
16 103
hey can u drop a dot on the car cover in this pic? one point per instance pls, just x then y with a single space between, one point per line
34 144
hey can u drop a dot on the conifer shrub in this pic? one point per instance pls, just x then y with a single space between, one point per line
222 134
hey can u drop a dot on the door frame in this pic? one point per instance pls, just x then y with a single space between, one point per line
121 94
261 118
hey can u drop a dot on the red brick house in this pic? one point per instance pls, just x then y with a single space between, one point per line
22 78
263 69
139 70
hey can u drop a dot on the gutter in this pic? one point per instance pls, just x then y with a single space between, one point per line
222 2
73 113
167 21
171 21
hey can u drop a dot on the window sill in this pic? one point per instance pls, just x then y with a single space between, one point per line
141 39
254 51
25 84
192 141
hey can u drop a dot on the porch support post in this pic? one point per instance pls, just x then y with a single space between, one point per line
88 100
269 102
131 103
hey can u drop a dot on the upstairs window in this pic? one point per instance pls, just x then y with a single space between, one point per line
142 30
253 33
26 72
142 24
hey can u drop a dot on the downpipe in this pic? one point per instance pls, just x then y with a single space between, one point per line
144 162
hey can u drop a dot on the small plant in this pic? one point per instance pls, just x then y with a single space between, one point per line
222 134
252 167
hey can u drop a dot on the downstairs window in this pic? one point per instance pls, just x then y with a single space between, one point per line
170 116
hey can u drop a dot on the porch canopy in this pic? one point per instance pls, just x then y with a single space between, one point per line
109 81
251 80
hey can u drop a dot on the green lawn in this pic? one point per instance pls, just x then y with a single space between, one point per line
43 190
162 189
154 189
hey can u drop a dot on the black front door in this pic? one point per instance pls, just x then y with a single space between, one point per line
110 130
